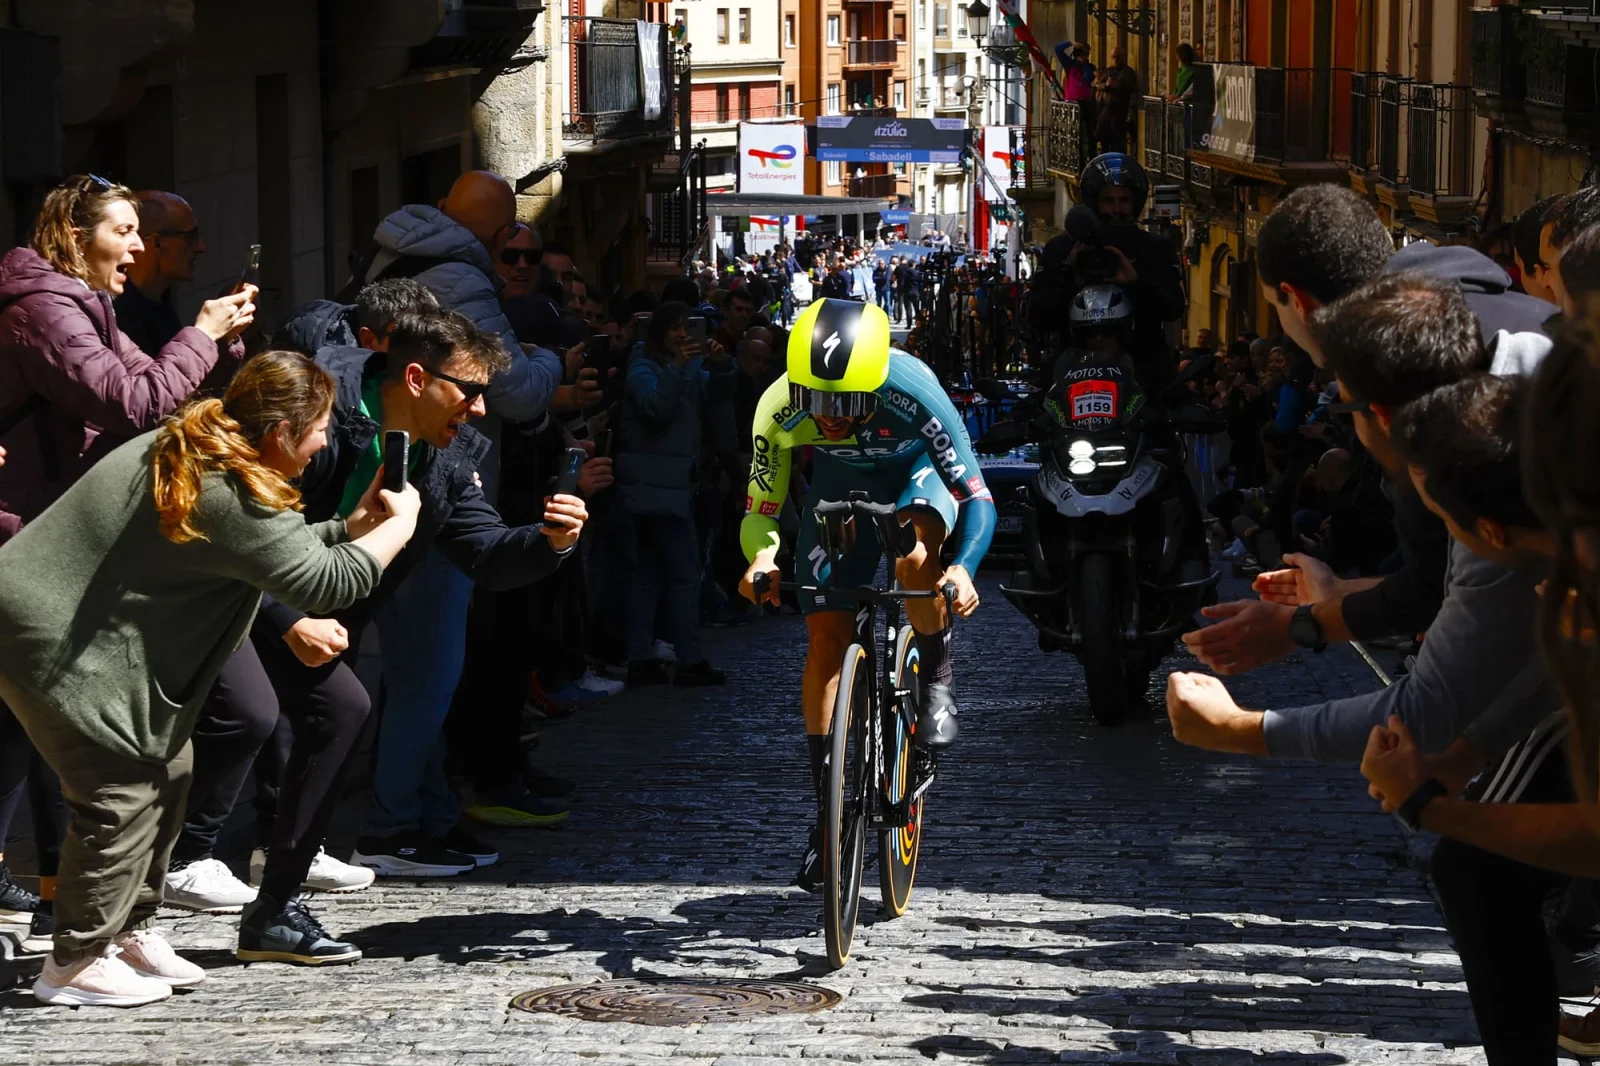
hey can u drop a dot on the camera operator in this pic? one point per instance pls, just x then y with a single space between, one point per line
1146 267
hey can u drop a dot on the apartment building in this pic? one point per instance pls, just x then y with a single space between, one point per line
736 74
852 57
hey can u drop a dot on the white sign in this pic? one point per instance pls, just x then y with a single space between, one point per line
997 159
772 157
765 231
650 68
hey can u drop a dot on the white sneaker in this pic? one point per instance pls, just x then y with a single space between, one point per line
592 682
1235 551
148 952
209 886
99 981
328 874
665 652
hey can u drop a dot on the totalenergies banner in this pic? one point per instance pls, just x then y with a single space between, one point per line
1000 152
772 157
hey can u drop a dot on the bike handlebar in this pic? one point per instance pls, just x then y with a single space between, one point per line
762 584
829 508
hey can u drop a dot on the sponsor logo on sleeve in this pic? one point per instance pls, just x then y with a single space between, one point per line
761 465
901 404
942 445
749 504
769 508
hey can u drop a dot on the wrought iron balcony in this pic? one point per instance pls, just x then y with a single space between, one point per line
1497 63
478 33
1394 98
1292 114
1071 138
1561 74
1364 95
1439 156
610 98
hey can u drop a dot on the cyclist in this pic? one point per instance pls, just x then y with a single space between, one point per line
877 420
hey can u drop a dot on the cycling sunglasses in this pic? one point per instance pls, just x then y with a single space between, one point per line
469 389
833 404
512 256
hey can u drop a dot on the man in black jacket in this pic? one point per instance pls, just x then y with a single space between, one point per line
429 383
1115 186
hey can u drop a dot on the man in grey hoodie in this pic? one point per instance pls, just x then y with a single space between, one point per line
1391 341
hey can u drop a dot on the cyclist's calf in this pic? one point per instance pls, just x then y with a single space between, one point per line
920 569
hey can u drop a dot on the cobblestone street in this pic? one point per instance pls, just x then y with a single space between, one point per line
1085 895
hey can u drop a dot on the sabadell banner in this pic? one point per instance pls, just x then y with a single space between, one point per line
772 157
859 139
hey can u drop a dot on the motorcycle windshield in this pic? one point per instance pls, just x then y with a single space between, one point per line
1092 396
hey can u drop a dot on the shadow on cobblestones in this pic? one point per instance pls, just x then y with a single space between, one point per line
1131 1047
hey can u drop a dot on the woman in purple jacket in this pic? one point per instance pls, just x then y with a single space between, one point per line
72 388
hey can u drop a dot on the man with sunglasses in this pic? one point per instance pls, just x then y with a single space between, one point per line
518 260
146 310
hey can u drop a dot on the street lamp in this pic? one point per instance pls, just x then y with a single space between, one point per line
978 20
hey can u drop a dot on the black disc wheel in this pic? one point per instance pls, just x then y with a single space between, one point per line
845 804
898 846
1105 669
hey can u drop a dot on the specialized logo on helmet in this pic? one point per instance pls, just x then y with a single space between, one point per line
835 328
829 346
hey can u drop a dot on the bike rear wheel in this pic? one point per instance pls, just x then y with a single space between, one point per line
845 806
899 846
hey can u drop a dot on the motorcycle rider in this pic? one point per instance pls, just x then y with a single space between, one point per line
1114 185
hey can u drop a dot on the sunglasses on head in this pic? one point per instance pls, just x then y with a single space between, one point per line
513 256
471 390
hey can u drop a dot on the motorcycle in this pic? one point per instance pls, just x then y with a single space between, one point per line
1116 564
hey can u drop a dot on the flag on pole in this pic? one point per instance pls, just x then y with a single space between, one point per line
1024 33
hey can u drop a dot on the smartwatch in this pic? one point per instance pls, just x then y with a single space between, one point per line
1305 630
1410 812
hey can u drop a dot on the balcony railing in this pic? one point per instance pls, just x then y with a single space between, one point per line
864 109
678 216
1029 148
875 186
1364 95
871 53
1393 99
1440 156
1154 116
1561 75
1071 138
1292 114
609 98
1497 66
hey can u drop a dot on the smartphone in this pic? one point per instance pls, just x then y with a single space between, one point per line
602 442
597 353
571 462
251 274
396 459
697 328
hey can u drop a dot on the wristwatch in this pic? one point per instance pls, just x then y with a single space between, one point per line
1410 812
1305 630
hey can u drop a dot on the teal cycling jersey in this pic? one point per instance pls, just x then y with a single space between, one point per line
914 418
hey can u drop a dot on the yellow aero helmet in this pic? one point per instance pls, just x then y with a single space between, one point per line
838 358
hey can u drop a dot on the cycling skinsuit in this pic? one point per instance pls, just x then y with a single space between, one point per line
912 451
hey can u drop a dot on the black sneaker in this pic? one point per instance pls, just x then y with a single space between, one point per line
545 785
16 902
936 725
699 675
270 931
647 672
410 855
41 930
809 879
458 839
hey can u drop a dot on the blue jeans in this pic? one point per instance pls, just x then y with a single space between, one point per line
669 575
423 631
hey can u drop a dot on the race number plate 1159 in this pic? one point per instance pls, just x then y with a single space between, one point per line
1093 399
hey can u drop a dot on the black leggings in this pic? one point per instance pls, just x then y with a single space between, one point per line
484 728
326 707
1492 906
22 768
238 718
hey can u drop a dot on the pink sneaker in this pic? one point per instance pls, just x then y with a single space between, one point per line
98 981
148 952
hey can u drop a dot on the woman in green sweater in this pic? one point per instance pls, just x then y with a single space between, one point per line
118 607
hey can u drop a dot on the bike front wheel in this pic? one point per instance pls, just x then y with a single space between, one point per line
845 806
899 846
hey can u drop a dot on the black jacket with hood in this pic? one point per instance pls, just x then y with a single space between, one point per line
455 516
1483 282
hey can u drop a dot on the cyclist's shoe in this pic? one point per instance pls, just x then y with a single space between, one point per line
809 879
936 725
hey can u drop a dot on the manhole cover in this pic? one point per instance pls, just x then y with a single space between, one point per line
631 815
670 1001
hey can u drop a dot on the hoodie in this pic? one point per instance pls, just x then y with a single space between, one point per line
1485 285
72 385
1479 670
464 280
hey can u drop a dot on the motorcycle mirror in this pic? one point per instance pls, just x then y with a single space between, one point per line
1198 367
1083 225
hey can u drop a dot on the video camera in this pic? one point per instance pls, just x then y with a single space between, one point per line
1096 263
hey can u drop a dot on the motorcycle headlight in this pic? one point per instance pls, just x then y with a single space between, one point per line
1080 467
1081 450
